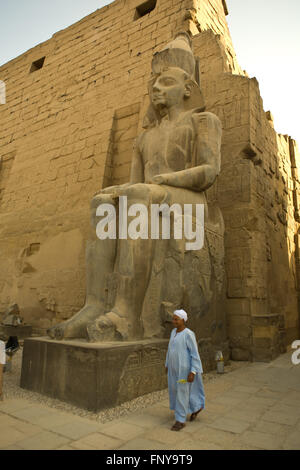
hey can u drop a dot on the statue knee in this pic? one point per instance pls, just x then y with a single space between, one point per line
96 202
145 193
102 199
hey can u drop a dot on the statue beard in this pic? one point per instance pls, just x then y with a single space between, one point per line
161 109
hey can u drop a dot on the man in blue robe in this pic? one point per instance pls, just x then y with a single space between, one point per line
2 363
184 368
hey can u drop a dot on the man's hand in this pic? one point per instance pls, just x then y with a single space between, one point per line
191 377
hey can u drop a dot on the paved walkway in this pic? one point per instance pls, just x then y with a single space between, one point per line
253 407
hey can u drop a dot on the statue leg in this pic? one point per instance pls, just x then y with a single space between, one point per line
100 257
133 267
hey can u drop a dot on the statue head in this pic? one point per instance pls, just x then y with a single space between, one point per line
169 88
175 80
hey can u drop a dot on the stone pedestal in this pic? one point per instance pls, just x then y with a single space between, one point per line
20 331
269 340
93 376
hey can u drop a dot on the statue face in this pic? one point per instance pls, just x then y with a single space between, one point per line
169 88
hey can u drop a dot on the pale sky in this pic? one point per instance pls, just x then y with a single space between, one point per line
265 33
266 38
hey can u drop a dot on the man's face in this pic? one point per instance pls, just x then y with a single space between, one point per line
177 322
168 89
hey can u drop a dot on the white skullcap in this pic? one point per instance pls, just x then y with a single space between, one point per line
181 314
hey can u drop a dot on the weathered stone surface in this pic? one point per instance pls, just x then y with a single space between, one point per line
175 160
12 316
21 331
64 135
93 376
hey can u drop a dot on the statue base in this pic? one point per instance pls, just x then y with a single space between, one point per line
20 331
93 376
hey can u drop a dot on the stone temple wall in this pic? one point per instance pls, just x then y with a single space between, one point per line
68 128
258 193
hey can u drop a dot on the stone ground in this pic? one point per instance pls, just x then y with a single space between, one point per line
251 406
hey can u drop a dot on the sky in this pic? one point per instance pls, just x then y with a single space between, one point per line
265 34
266 38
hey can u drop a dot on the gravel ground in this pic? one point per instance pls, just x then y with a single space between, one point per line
11 389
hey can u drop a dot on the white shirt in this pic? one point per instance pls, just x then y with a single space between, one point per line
2 352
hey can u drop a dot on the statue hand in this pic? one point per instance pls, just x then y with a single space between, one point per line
111 189
157 179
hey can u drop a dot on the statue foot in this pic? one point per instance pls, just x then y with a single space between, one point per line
108 327
75 327
63 331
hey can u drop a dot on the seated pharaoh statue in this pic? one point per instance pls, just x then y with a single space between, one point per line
134 285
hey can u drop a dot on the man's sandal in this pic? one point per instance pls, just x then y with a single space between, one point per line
177 426
194 415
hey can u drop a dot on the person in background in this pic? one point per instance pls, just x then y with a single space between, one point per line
2 363
184 368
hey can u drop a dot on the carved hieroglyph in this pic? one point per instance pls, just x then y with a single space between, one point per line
133 286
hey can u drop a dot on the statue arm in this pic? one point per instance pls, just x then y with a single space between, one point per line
137 166
207 157
197 179
136 172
